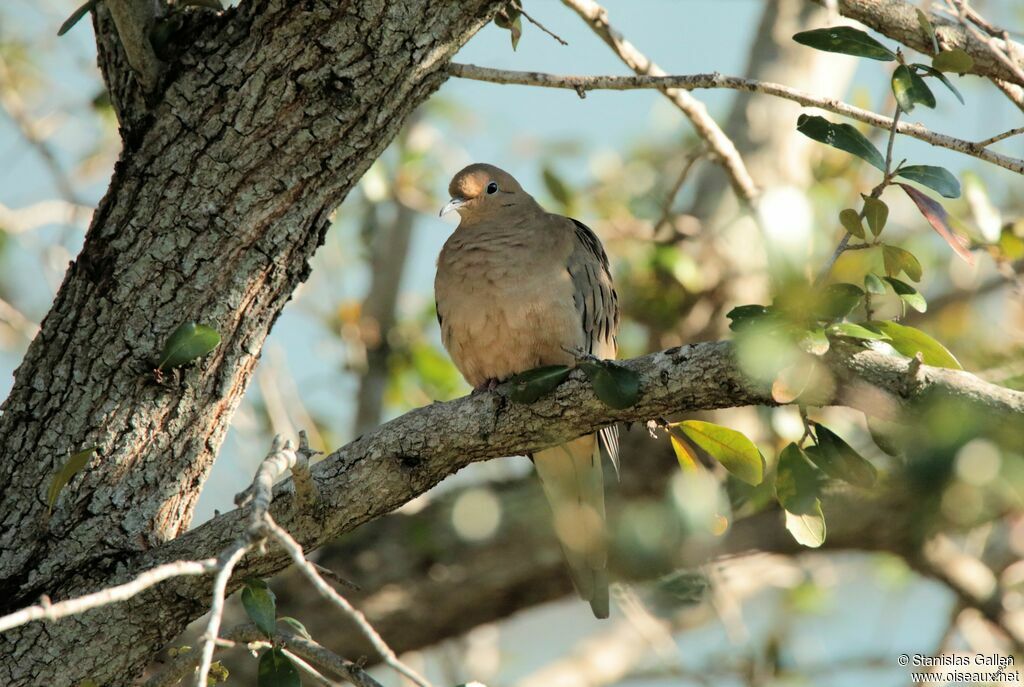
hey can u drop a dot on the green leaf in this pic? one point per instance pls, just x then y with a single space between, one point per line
932 71
814 341
188 342
850 219
684 454
851 330
743 315
527 387
797 487
897 260
808 529
908 294
277 670
939 220
76 16
872 284
71 468
910 89
261 605
617 387
927 28
841 136
876 212
838 459
838 301
955 60
910 341
886 435
556 187
294 626
846 40
935 178
735 452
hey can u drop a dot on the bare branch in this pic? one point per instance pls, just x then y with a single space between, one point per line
295 551
695 81
707 128
46 610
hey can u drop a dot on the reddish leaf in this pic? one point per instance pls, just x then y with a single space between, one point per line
938 218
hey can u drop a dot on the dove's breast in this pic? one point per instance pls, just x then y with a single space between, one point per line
505 306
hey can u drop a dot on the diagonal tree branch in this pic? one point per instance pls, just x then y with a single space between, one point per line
581 84
386 468
707 128
897 19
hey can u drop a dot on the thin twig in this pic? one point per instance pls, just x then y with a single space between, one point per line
700 81
220 584
707 128
844 242
294 549
999 137
542 27
46 610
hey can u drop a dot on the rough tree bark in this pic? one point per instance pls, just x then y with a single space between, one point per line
222 194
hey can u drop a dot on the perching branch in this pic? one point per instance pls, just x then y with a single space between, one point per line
581 84
386 468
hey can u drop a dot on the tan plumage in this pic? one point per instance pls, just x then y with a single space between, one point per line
516 288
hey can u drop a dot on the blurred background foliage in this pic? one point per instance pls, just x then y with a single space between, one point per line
360 345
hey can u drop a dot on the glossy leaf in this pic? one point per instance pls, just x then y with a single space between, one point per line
876 212
846 40
684 454
838 301
872 284
732 449
260 605
910 341
814 341
935 178
926 26
188 342
908 294
841 136
294 626
939 219
932 71
76 16
527 387
850 219
897 260
797 487
955 60
71 468
743 315
910 89
838 459
277 670
886 435
616 386
852 330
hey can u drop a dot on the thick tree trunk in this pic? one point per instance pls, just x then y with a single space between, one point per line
221 196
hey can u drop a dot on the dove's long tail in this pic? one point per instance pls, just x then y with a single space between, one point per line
573 482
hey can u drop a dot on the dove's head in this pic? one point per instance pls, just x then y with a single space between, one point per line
480 191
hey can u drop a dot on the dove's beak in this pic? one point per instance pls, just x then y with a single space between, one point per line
453 204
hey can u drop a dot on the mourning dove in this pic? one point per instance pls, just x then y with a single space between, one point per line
517 288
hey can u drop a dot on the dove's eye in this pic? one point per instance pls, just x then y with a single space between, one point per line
492 187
